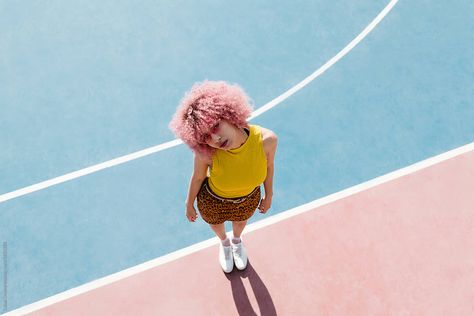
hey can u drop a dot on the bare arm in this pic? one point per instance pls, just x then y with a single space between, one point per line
198 176
270 142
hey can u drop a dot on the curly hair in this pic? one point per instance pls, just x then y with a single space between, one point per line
203 106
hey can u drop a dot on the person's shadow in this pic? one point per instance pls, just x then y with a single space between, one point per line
241 298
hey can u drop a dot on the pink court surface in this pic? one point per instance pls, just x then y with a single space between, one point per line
402 247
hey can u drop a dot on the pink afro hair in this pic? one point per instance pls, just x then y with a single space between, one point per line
203 106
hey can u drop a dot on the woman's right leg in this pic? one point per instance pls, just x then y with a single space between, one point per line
219 229
226 259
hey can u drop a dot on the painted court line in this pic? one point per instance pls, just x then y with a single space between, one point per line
328 64
151 150
251 227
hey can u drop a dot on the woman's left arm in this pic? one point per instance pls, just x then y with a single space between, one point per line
270 142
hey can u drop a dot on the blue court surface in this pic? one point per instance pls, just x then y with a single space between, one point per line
84 82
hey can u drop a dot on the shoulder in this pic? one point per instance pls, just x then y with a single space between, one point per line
202 161
269 137
270 140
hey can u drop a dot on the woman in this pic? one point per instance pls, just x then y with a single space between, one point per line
231 160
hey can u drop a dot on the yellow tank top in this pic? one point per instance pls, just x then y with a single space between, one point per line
237 172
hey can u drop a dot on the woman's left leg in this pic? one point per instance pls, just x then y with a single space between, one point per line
238 249
238 227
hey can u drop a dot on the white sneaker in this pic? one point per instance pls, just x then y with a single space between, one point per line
225 258
240 255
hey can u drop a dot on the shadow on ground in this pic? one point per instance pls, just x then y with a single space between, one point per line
241 297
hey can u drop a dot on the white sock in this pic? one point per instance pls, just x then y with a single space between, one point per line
236 240
225 242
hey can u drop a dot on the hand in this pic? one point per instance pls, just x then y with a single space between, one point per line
191 213
265 204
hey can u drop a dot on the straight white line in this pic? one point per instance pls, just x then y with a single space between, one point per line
120 160
362 187
249 228
88 170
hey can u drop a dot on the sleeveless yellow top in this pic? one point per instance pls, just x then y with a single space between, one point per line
237 172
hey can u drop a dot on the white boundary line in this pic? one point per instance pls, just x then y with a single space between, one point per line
88 170
329 63
251 227
151 150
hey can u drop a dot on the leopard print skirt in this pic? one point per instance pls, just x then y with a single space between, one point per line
216 210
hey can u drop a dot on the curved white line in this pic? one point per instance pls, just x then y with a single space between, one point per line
176 142
328 64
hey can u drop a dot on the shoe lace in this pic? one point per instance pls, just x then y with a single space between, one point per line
227 253
238 251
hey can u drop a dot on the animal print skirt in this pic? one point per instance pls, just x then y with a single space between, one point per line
216 210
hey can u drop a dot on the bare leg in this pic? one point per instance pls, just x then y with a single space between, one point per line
238 227
219 229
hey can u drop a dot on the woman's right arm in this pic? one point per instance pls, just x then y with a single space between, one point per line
199 175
